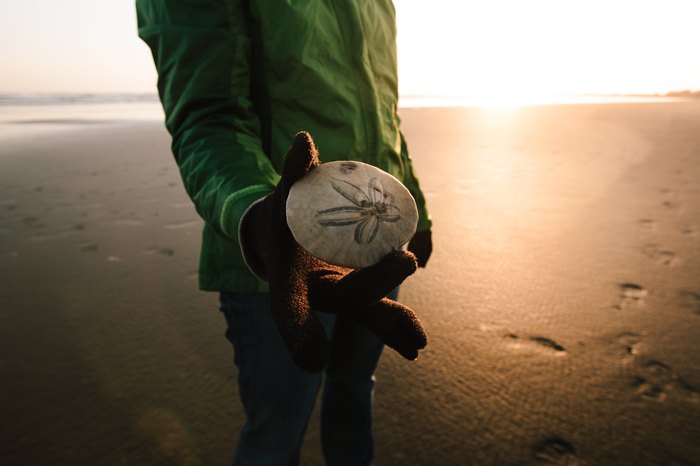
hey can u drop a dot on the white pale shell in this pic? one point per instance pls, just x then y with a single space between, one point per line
350 213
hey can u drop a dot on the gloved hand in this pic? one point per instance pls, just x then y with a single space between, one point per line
421 245
299 281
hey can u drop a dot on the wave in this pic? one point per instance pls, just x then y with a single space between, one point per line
405 101
76 99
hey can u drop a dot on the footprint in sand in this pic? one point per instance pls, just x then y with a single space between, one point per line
631 295
691 300
536 342
655 381
89 247
50 236
659 255
557 451
689 392
33 222
159 252
628 344
183 224
652 379
687 230
673 206
648 224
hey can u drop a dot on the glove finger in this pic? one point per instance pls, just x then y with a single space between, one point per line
302 333
301 157
396 325
299 327
330 289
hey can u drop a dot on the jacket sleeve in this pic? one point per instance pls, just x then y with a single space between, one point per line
411 182
202 54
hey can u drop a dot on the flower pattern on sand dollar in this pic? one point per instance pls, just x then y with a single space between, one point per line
367 211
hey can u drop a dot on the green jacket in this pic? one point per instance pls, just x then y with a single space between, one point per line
239 78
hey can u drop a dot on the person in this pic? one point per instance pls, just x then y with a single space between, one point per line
237 80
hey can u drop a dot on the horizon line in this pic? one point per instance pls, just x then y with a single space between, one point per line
407 100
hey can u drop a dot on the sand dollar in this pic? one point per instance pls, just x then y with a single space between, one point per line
350 213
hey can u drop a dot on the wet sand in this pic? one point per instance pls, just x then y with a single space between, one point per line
562 299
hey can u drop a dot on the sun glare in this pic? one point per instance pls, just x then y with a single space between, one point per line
495 52
505 53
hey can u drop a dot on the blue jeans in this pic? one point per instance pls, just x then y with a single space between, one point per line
278 396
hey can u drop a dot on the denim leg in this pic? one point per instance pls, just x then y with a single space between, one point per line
346 417
277 395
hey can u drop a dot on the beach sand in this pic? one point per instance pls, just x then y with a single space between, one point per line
562 298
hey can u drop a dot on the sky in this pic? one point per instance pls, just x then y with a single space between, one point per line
506 48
